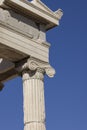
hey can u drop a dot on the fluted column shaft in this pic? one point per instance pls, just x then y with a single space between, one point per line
33 93
33 71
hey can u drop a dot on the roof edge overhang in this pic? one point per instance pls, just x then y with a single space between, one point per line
30 10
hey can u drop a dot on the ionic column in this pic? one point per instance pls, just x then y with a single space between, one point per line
33 94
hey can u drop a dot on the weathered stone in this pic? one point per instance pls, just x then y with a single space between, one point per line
24 51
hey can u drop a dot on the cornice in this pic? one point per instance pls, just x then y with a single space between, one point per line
37 13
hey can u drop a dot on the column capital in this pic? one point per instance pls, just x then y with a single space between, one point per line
37 74
34 64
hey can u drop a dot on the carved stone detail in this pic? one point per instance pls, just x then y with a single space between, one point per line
35 64
59 13
38 74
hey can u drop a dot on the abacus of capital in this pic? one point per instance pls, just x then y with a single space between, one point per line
24 52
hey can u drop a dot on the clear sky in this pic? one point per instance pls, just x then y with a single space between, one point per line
66 93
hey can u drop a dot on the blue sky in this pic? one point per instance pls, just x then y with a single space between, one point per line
66 93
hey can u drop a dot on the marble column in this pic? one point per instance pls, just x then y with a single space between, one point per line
33 94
